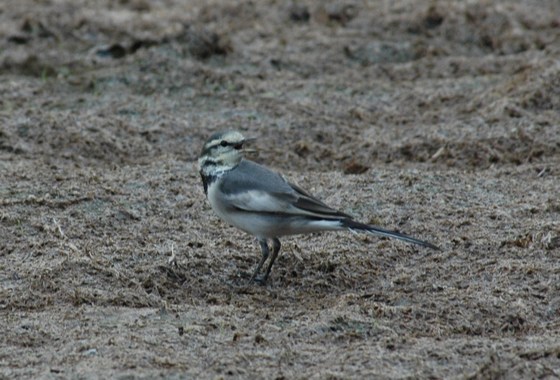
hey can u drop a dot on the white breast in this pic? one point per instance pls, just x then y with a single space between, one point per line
247 222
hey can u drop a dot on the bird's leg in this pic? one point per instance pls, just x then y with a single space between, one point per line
265 251
275 249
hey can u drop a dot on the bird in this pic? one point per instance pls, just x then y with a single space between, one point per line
264 204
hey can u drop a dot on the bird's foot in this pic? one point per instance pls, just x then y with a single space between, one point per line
260 280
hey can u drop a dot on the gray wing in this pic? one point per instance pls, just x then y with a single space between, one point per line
252 187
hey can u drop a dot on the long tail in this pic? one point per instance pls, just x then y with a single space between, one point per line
361 227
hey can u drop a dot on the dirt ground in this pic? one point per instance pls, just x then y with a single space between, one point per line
440 119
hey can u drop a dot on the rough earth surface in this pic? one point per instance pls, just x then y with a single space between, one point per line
440 119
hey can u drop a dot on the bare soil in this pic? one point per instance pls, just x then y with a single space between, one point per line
440 119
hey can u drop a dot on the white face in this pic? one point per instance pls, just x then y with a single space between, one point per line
221 152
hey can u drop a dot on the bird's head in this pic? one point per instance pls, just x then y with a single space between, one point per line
222 151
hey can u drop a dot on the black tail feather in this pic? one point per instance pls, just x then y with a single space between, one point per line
357 226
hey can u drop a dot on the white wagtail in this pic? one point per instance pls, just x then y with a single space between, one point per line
262 203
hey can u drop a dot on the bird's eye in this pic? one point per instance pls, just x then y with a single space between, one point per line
224 143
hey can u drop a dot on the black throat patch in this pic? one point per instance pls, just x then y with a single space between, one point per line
207 181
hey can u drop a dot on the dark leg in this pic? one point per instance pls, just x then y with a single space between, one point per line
265 252
275 249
